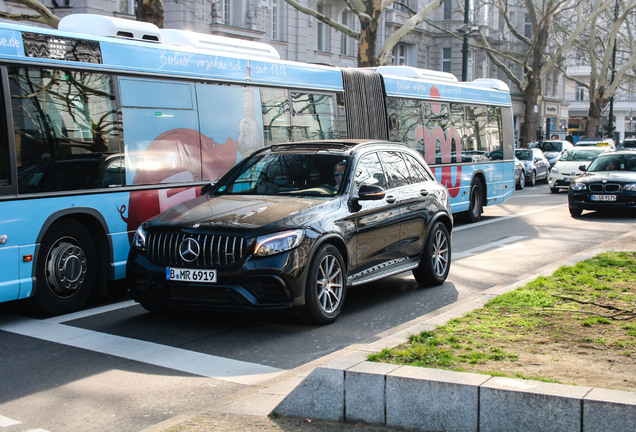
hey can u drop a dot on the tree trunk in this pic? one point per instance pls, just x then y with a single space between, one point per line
150 11
367 44
594 116
530 100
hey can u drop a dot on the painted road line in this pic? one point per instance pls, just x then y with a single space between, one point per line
500 243
6 422
91 312
206 365
503 218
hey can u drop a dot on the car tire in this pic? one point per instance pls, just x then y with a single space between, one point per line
436 259
326 286
533 178
575 211
66 269
554 190
521 183
476 204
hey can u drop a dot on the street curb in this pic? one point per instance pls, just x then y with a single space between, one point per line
351 388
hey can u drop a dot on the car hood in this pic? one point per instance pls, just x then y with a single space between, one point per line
551 155
567 167
246 212
610 176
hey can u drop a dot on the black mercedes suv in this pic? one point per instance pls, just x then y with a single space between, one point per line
293 226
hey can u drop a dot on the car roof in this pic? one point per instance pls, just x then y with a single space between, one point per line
338 145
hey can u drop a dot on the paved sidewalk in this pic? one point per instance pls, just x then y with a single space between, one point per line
249 411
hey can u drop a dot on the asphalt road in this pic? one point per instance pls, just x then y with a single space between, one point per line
115 367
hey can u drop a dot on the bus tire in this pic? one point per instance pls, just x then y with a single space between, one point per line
476 205
66 269
436 258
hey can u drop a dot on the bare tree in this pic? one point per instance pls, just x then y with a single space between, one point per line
43 14
369 14
610 30
535 52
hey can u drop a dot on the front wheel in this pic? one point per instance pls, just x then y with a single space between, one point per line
521 183
436 259
66 269
533 178
554 190
326 286
575 211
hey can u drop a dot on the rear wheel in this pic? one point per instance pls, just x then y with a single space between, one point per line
476 205
435 263
326 285
66 269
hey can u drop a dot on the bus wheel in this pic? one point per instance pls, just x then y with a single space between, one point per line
476 205
66 269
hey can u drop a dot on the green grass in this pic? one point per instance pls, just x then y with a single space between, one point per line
563 308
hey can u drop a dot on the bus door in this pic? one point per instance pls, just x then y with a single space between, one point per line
9 251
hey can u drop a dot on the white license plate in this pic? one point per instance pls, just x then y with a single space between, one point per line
190 275
603 197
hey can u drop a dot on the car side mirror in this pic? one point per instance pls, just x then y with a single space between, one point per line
370 193
205 188
582 168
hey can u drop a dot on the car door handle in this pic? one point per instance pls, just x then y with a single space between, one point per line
391 199
424 192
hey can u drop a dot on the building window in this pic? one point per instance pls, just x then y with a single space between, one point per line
322 30
448 9
278 20
347 44
446 59
400 54
125 6
528 27
579 93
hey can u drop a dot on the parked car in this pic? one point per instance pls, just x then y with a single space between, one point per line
536 164
568 167
596 142
609 183
520 174
293 226
552 149
629 143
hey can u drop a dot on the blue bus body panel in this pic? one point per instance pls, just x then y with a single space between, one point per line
457 92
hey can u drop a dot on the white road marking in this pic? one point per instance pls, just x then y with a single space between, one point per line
503 218
500 243
142 351
6 422
90 312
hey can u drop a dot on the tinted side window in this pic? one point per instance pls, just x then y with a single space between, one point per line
396 169
417 171
369 171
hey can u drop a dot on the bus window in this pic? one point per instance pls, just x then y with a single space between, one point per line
493 130
276 120
314 116
66 125
405 117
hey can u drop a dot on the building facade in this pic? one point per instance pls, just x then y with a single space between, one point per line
436 45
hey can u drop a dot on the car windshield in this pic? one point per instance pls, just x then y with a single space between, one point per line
580 155
551 146
614 162
287 173
524 154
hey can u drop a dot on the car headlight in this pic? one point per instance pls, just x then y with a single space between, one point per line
578 186
280 242
630 187
554 170
139 240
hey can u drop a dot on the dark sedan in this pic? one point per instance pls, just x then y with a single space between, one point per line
609 183
293 226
